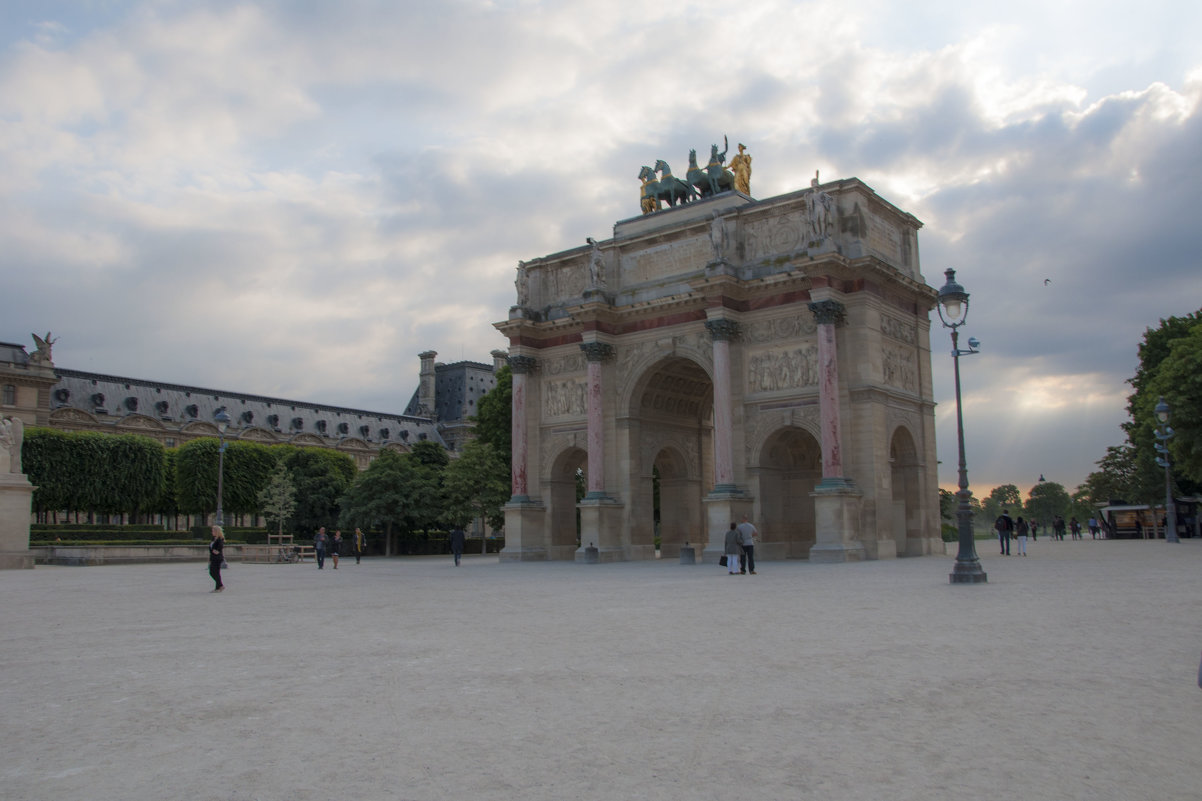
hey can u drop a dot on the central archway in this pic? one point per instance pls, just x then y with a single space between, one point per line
670 432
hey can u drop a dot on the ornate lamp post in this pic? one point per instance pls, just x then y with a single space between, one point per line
1163 435
953 311
222 418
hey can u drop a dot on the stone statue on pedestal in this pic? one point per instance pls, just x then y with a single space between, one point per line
12 434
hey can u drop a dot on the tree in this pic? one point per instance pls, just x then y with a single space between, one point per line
1046 500
1116 480
477 485
1003 496
321 478
378 496
494 415
1178 380
278 498
93 472
948 504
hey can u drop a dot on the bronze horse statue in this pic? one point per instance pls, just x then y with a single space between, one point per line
647 200
703 179
670 187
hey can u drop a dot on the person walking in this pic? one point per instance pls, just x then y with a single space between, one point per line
319 546
336 547
1058 528
1021 528
217 557
746 541
360 545
457 539
1005 527
1074 526
1034 531
731 551
1093 528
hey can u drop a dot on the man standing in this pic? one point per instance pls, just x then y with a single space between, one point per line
746 540
457 537
1005 527
319 547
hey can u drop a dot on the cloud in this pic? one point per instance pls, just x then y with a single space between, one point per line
297 198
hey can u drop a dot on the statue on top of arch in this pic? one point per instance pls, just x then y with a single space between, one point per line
660 185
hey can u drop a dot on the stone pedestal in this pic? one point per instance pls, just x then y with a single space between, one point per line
688 555
525 532
16 498
837 522
601 528
722 509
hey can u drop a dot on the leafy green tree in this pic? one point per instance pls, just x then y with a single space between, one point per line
477 485
1003 496
494 415
948 503
1178 380
321 478
379 496
1046 500
1116 479
1155 350
93 472
247 468
278 498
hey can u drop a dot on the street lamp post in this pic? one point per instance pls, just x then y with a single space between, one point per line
1163 434
223 421
953 311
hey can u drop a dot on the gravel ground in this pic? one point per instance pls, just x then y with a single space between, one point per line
1072 674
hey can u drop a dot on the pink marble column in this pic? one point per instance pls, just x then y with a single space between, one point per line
596 353
828 313
521 367
722 332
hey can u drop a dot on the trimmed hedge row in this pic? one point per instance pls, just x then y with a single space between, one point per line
134 535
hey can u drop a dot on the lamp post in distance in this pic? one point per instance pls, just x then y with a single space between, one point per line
1163 434
953 311
222 418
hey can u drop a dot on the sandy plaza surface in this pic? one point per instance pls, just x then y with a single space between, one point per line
1072 674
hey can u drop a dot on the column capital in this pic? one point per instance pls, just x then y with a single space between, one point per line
722 329
597 351
523 364
828 312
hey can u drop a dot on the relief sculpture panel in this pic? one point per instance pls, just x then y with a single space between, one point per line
565 398
899 368
792 368
793 327
899 330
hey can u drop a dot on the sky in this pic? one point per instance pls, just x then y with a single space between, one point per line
295 198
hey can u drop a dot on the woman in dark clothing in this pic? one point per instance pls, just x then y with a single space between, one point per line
336 547
216 557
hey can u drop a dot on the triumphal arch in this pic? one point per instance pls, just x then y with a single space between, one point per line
727 356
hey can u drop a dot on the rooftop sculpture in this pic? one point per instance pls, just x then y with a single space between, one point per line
659 185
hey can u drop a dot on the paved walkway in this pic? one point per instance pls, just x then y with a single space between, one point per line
1072 674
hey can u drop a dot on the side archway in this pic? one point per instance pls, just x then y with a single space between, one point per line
789 469
905 477
568 474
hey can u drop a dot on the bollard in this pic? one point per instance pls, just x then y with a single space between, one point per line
591 555
688 555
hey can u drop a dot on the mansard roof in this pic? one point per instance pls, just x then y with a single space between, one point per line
180 405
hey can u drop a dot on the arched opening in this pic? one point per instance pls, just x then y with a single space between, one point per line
790 468
904 475
566 482
670 427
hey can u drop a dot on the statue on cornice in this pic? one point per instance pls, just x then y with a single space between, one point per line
596 266
522 283
42 354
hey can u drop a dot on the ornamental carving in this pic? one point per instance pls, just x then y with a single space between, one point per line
828 312
722 330
597 351
784 234
570 363
523 364
899 330
632 360
567 398
898 368
792 327
789 369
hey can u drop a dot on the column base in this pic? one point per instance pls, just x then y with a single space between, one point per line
837 522
16 497
525 531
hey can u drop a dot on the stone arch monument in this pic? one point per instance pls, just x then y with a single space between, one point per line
729 356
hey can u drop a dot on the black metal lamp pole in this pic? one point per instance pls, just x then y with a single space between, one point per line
223 420
954 301
1163 435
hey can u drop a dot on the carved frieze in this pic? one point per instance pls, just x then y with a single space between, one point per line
898 366
899 330
783 234
791 368
780 328
569 363
564 281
